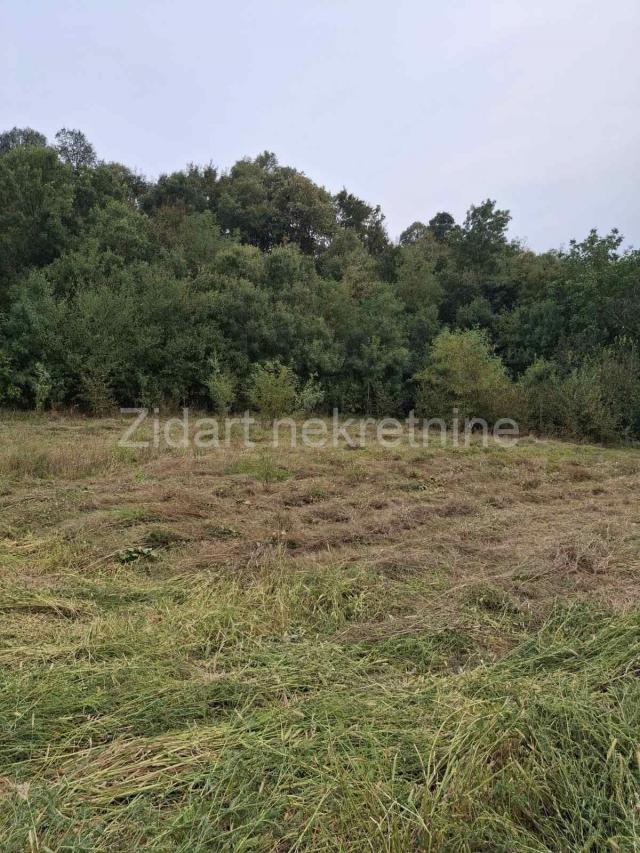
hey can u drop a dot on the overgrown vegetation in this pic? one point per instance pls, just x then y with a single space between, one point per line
310 650
205 288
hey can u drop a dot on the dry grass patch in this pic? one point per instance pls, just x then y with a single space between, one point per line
407 649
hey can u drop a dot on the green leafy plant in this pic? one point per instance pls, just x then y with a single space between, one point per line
42 386
9 388
272 389
96 391
310 396
462 372
136 552
221 387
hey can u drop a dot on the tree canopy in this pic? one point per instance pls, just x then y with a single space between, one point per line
115 289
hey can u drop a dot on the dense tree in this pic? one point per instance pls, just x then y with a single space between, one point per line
269 205
192 191
482 237
36 205
117 290
365 220
416 232
20 136
75 149
95 187
441 225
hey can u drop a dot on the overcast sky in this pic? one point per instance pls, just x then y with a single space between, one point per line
416 105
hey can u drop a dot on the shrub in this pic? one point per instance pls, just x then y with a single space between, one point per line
597 401
221 386
272 389
42 386
618 369
544 407
310 396
586 413
463 372
9 388
96 391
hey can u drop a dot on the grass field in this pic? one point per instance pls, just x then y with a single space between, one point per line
334 649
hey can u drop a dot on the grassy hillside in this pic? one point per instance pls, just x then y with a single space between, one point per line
334 649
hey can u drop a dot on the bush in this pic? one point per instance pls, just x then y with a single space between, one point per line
544 407
273 389
586 413
618 369
462 372
96 391
42 386
597 401
221 387
310 396
9 389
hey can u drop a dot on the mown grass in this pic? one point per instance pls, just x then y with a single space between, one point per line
359 665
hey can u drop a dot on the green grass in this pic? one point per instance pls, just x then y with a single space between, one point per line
323 701
179 720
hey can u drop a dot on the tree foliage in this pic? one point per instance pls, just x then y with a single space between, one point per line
463 376
204 287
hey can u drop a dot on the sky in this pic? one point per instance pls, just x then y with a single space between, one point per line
416 105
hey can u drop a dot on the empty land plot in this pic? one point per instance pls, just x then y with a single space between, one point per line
316 649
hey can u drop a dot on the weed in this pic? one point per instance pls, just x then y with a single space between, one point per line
222 531
136 552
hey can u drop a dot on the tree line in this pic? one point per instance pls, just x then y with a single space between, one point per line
256 287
